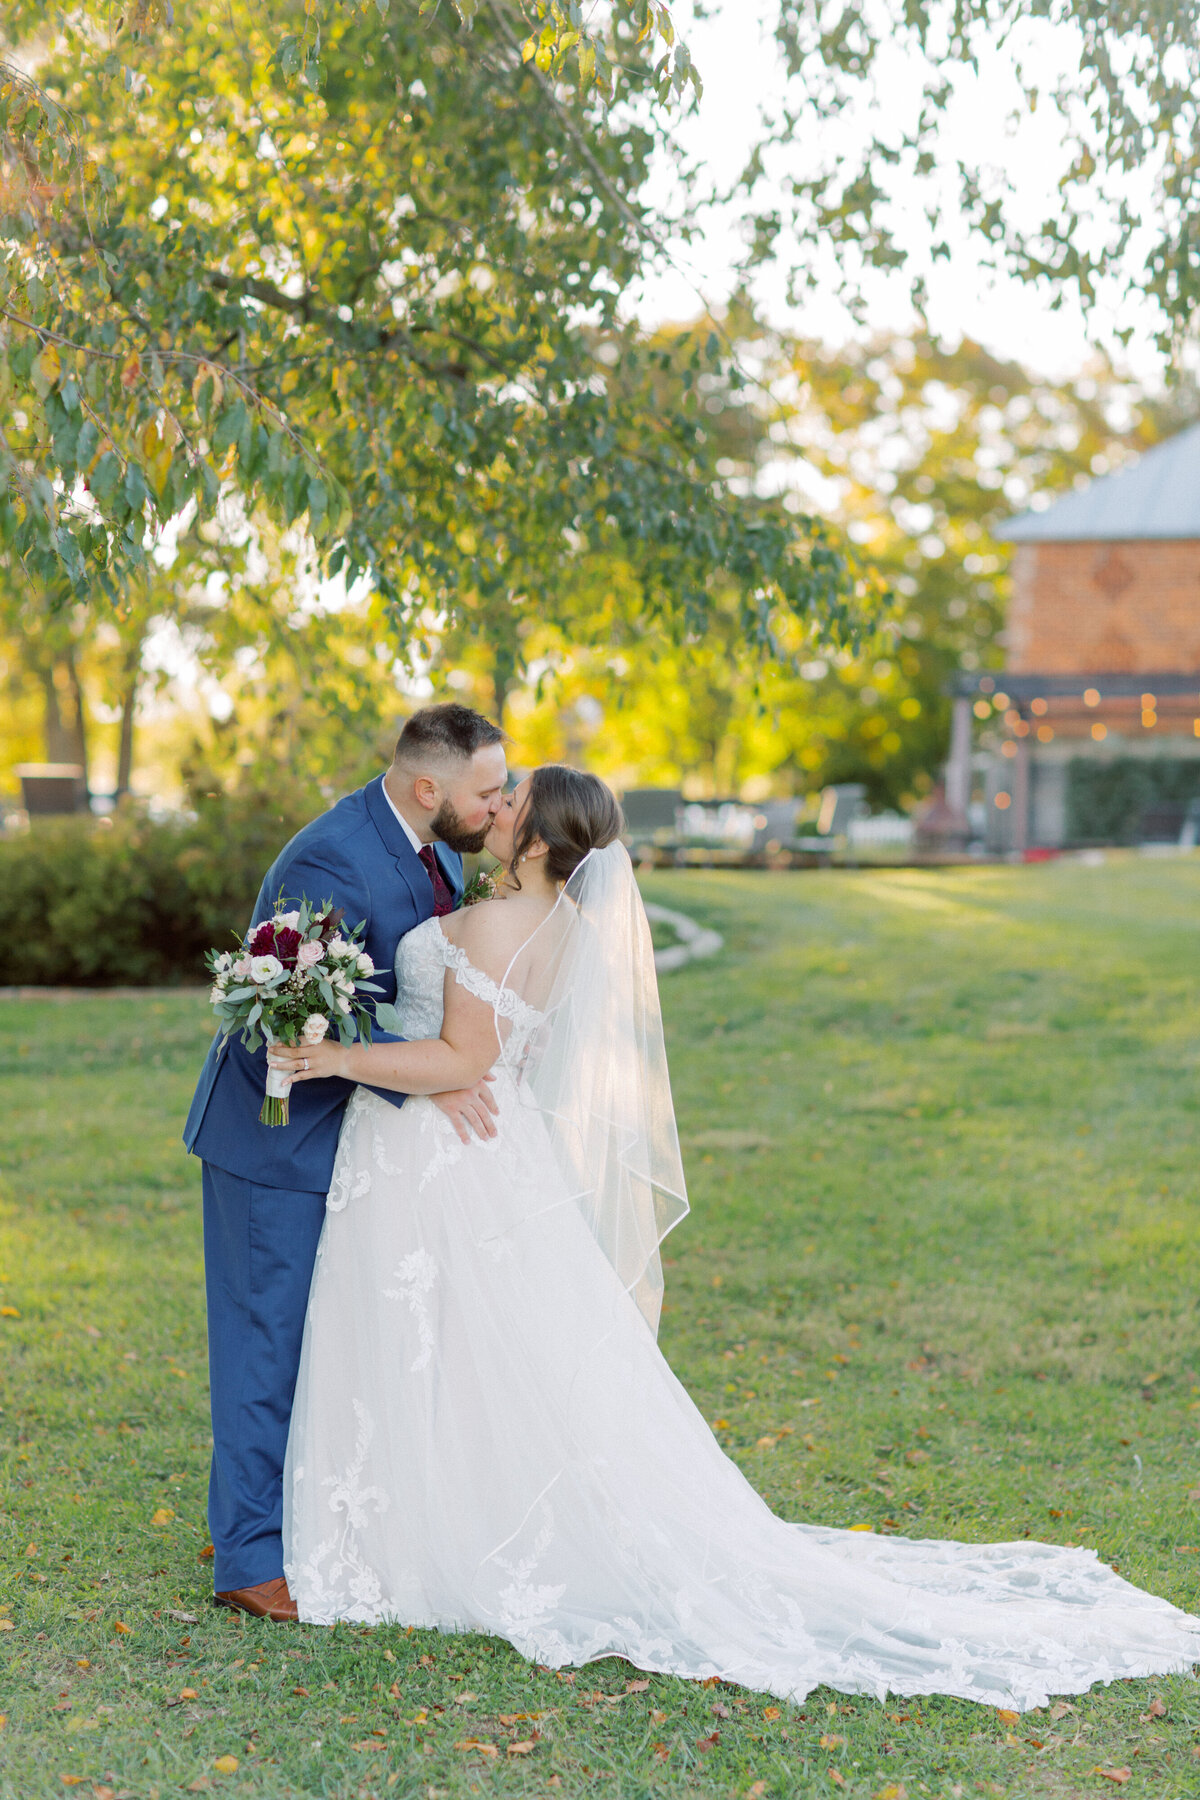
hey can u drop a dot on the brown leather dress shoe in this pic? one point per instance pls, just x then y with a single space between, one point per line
268 1600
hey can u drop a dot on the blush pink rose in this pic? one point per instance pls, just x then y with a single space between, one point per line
308 954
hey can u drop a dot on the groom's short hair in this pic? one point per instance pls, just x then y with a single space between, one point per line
450 733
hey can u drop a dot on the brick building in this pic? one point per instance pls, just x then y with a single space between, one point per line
1093 729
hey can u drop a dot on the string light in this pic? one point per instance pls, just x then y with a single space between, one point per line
1099 732
1038 707
1003 801
1045 734
1091 696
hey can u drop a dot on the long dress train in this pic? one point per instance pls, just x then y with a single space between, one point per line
486 1437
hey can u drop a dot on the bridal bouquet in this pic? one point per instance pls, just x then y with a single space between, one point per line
290 979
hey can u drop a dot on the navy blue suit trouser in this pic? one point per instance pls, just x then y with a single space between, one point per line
260 1244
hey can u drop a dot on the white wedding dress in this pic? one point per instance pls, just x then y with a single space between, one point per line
487 1438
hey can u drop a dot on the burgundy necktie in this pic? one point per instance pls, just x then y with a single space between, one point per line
443 899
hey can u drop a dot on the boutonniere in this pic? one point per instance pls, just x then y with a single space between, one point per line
481 886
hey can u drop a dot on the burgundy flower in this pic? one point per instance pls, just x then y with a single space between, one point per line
287 942
263 941
330 921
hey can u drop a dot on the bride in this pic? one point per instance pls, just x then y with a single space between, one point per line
486 1436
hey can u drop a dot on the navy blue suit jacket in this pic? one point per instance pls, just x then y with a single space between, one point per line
358 856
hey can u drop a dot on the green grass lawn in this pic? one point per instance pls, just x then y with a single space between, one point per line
940 1277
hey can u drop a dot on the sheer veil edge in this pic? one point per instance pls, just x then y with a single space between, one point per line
595 1066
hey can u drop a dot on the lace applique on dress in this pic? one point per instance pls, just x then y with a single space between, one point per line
416 1276
502 1000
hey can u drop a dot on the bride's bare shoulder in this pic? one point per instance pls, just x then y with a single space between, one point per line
494 930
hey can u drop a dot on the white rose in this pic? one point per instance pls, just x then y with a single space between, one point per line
314 1028
216 994
264 969
337 947
287 921
241 967
343 1005
365 965
224 962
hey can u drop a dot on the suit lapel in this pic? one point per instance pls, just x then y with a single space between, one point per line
396 843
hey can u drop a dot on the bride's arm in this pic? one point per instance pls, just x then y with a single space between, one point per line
459 1058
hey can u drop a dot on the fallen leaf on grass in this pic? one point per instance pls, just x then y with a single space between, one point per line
200 1785
1120 1776
708 1743
104 1793
828 1742
226 1764
122 1627
465 1699
1060 1709
302 1692
636 1687
771 1712
182 1618
1156 1710
72 1780
658 1718
720 1711
163 1516
479 1745
837 1776
10 1312
188 1694
760 1787
7 1625
206 1555
1007 1714
895 1790
524 1747
661 1752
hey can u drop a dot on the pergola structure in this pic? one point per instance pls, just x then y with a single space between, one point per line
1103 646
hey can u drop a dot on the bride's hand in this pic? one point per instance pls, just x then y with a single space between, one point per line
308 1062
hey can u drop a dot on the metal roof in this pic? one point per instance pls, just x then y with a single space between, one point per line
1158 496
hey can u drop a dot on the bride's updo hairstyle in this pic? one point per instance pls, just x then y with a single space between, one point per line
571 813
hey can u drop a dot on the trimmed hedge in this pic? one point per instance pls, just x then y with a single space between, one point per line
1107 801
136 902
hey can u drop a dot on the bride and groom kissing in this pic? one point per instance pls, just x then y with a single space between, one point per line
433 1297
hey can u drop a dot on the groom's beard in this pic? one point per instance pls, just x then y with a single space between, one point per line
449 828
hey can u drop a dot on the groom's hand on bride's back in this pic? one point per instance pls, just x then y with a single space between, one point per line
470 1110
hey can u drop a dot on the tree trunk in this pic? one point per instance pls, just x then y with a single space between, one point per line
125 742
57 743
129 698
79 732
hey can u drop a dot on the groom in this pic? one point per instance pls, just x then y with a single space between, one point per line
390 854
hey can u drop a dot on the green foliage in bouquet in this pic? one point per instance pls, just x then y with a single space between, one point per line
291 978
